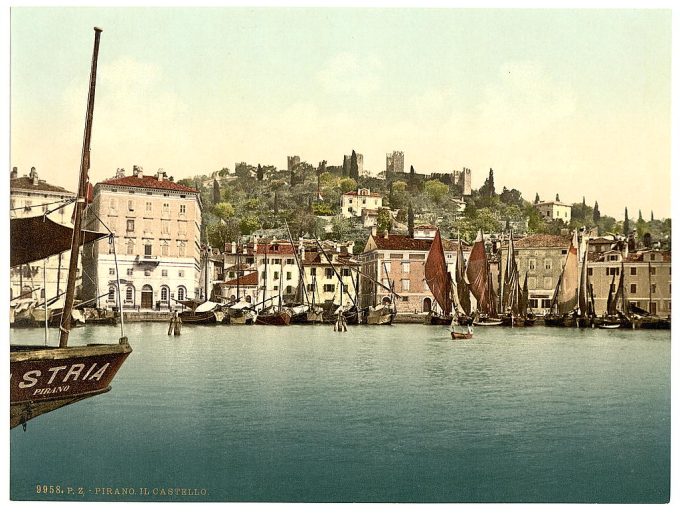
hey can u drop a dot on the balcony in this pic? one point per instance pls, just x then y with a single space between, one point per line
147 260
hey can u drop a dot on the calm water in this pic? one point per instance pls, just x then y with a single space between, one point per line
386 414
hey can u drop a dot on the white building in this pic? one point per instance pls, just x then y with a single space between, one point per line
30 196
353 203
156 225
551 210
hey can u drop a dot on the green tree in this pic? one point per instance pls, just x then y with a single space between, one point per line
341 228
223 210
354 166
411 220
260 173
596 214
384 220
626 223
511 197
436 190
249 224
221 233
537 199
216 191
347 185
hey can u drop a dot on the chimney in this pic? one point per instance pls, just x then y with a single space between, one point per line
160 175
255 245
233 247
374 231
34 176
138 171
386 235
120 172
14 174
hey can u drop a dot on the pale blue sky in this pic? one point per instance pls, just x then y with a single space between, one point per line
575 102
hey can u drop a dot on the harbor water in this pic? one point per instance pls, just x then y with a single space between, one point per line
378 414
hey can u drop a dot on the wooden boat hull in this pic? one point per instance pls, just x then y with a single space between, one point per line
460 336
557 321
380 317
273 319
439 320
609 326
488 322
44 379
518 322
241 318
201 317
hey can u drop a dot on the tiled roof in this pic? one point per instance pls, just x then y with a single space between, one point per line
369 195
542 240
404 242
274 249
148 182
26 183
243 281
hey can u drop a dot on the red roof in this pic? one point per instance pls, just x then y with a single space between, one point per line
542 240
404 242
148 182
274 249
244 281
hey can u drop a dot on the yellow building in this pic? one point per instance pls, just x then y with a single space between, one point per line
552 210
156 225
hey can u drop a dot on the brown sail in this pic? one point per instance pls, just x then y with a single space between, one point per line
478 276
437 275
462 288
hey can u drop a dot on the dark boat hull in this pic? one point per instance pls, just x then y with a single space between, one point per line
42 380
198 318
460 336
273 319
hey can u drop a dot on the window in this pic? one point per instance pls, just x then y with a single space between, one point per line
129 294
652 308
180 274
182 210
164 248
165 292
633 288
532 264
149 207
182 228
165 226
533 303
329 287
310 287
346 272
547 282
112 271
388 266
130 271
406 267
147 249
633 271
564 251
147 272
164 273
653 288
289 276
652 271
590 271
130 247
290 261
312 271
182 249
181 293
130 225
276 287
131 205
112 205
547 264
329 272
652 256
276 275
289 289
112 294
405 285
166 209
612 271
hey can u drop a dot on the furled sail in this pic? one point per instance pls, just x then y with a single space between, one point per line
511 288
524 297
462 289
583 288
437 275
36 238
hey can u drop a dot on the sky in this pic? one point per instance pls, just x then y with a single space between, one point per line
568 102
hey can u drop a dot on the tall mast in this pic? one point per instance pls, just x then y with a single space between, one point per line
80 202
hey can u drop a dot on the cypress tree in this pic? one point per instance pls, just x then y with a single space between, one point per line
596 213
260 173
651 217
492 186
216 192
354 166
411 221
626 222
537 199
411 176
557 197
640 220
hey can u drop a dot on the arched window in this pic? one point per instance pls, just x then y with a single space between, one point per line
427 304
130 247
112 294
181 293
129 294
165 293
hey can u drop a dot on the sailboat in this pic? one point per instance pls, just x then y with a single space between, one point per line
439 281
514 298
384 313
564 304
43 379
478 277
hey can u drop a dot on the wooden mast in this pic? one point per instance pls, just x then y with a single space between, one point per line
80 201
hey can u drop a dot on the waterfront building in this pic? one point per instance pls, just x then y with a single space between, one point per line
647 278
274 266
156 225
541 257
29 196
399 260
353 203
551 210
